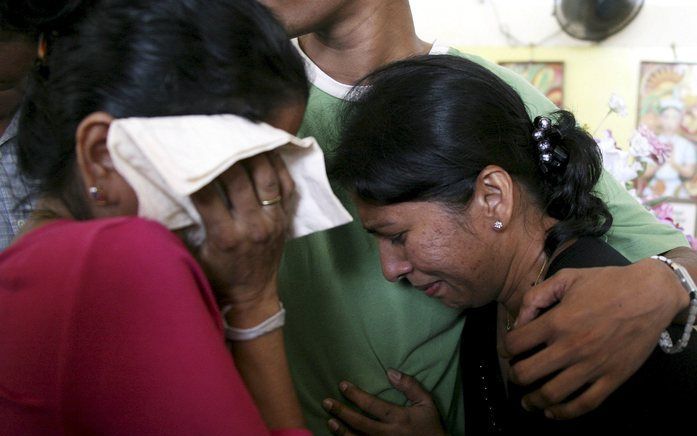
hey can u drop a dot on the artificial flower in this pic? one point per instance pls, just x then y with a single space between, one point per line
617 105
616 161
659 150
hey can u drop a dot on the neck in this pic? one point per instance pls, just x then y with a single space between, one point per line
47 210
372 36
529 263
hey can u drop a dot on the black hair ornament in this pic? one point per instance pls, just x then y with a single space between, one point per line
552 157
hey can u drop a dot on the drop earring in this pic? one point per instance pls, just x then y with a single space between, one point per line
498 225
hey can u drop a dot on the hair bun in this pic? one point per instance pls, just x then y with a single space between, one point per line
48 16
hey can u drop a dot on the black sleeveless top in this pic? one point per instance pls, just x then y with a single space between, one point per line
660 397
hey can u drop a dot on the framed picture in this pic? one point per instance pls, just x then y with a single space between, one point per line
684 213
548 77
668 106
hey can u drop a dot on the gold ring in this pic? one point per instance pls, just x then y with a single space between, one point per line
272 201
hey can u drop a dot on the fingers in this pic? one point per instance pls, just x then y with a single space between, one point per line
213 211
239 190
527 337
543 363
264 178
286 181
590 399
409 386
542 296
354 419
371 404
558 389
337 428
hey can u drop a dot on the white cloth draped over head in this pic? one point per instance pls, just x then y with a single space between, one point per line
166 159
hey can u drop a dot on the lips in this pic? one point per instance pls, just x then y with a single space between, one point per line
430 289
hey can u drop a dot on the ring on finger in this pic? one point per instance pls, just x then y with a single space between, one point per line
273 201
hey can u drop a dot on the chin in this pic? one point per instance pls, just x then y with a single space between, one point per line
456 304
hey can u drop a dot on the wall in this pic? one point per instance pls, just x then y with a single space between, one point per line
591 75
592 71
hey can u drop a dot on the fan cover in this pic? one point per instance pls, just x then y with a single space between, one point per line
595 20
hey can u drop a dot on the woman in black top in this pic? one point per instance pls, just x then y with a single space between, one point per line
474 203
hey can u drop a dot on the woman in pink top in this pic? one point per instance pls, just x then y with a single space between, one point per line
109 324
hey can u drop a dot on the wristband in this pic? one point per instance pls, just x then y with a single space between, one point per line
272 323
686 281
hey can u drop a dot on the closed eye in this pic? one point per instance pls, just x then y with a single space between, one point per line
397 239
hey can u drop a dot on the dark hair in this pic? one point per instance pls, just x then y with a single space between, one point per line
146 58
31 17
423 129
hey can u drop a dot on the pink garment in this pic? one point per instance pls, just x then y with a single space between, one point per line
109 327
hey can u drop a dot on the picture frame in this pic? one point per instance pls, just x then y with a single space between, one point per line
546 76
667 105
684 213
668 80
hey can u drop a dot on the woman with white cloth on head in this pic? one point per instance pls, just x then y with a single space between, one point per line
109 324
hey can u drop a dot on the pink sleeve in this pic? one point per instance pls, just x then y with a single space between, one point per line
147 354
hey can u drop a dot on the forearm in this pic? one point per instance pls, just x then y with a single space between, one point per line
263 365
687 258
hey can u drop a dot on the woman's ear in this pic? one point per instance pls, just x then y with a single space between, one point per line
109 193
493 196
93 159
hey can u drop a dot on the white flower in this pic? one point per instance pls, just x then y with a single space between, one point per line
617 105
639 146
616 161
606 141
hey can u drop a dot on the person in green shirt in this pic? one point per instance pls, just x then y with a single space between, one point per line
345 322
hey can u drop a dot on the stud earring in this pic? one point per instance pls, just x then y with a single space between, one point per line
498 225
97 196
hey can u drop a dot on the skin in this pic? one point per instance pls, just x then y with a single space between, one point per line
240 256
18 52
608 339
453 254
348 39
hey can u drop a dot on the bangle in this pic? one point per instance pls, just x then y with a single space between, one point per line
270 324
665 341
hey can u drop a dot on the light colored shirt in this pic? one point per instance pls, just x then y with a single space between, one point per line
16 193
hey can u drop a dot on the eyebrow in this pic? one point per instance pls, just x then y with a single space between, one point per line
375 230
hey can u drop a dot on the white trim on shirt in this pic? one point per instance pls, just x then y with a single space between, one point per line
323 81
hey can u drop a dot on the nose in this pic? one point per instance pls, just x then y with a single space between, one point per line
394 264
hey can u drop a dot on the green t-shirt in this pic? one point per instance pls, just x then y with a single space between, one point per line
346 322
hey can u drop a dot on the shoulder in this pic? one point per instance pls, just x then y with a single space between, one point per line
137 263
588 252
535 101
118 233
130 242
121 242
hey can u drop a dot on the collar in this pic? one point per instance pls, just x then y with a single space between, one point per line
326 83
11 130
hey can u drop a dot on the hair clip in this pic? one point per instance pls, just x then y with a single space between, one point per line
551 157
